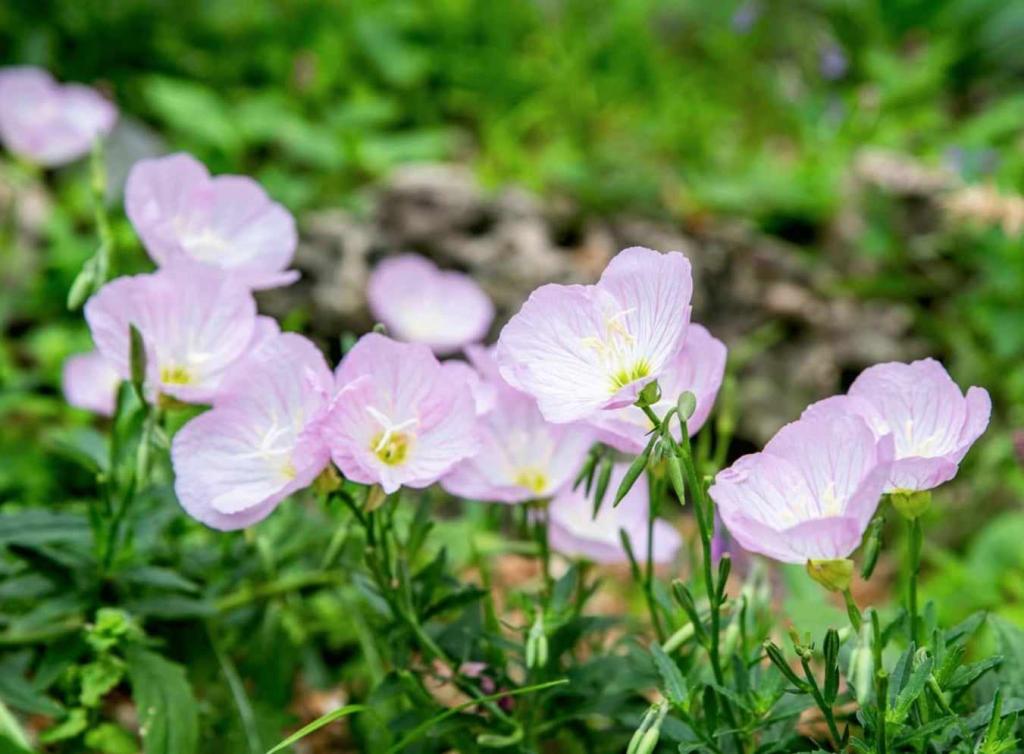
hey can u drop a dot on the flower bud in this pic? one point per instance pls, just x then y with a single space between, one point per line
834 575
910 503
649 395
686 405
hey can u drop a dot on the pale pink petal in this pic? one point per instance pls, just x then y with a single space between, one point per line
521 456
156 199
547 350
698 368
420 303
811 493
261 442
91 383
46 122
226 222
399 418
194 322
484 393
576 533
582 349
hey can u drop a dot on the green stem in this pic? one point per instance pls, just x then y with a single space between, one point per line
826 710
915 538
657 489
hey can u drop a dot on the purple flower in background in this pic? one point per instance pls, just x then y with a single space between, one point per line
522 456
745 16
420 303
401 418
576 533
226 222
90 382
932 423
579 349
698 368
261 442
832 62
810 494
195 324
49 123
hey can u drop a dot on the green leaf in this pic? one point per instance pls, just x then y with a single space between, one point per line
12 737
71 726
99 677
137 359
110 739
317 724
38 526
19 693
162 579
168 717
671 677
1011 647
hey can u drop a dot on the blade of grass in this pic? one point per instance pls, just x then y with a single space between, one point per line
330 717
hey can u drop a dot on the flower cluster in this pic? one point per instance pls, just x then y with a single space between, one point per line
810 494
511 423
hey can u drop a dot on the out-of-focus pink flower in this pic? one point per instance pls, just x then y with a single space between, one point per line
579 349
226 221
521 455
932 423
400 418
49 123
420 303
698 368
194 321
261 442
574 532
90 382
810 494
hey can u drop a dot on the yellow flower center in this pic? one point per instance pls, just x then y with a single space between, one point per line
623 377
534 480
392 447
173 375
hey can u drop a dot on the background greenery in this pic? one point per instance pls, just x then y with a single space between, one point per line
678 109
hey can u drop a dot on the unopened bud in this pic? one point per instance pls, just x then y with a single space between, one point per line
649 395
686 404
910 503
834 575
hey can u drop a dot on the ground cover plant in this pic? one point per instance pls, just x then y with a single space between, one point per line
469 528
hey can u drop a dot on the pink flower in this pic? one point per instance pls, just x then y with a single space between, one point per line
579 349
697 368
194 322
90 382
262 442
932 423
484 393
401 419
421 304
227 222
810 494
521 455
574 532
49 123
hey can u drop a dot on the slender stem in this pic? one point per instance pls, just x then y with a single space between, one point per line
540 532
826 710
657 490
914 553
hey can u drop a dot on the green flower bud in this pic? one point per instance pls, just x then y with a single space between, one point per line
834 575
649 395
686 404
